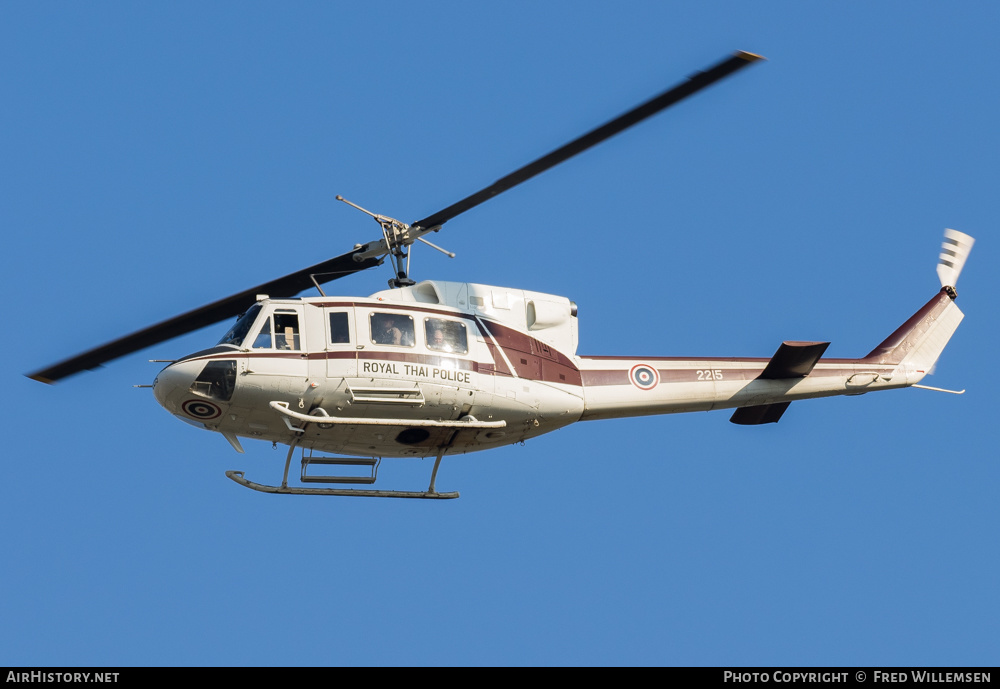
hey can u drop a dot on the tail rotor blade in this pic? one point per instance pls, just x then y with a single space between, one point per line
954 250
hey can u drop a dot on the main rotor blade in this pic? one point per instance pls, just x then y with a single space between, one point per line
694 84
287 286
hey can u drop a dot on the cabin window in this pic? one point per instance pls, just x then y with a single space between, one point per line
241 328
216 381
392 329
445 336
340 328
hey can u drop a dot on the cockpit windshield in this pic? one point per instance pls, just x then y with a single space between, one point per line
239 331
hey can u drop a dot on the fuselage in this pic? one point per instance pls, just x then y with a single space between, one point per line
446 352
435 351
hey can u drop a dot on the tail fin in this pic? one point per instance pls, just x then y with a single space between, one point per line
916 345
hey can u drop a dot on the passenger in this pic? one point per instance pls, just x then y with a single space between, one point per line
437 341
390 334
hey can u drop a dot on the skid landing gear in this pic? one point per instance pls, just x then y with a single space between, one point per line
307 461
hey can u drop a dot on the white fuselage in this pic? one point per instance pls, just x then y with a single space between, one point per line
446 352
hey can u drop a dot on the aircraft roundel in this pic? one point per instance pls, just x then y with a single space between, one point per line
644 377
201 410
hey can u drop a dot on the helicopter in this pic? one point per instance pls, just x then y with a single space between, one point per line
435 368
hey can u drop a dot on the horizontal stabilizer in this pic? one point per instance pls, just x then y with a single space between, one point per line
954 250
764 413
793 360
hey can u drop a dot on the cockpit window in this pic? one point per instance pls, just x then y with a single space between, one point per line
285 334
445 336
239 331
263 339
217 380
286 331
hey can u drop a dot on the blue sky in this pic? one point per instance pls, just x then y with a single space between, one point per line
157 157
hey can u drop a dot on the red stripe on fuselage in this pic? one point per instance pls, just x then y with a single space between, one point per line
532 358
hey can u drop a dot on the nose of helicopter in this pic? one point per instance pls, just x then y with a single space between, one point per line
197 389
174 382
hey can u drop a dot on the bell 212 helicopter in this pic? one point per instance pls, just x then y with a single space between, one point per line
433 368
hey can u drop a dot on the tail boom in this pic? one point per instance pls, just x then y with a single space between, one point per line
685 385
616 387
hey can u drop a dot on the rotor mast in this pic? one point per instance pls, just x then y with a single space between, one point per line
397 237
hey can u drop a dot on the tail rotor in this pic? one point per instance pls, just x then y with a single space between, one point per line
954 250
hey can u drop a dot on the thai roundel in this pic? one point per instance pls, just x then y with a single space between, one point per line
644 377
200 409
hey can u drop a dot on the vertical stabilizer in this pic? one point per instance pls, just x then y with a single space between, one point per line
917 344
925 343
954 250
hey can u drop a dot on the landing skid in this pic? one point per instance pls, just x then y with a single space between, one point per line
429 494
357 492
